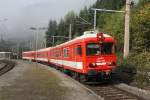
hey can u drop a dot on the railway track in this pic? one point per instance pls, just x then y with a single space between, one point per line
109 92
6 66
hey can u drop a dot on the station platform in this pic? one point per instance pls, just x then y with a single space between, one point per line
32 81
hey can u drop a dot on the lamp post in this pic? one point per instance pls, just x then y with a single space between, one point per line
3 20
37 37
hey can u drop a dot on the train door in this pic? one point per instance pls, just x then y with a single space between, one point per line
78 56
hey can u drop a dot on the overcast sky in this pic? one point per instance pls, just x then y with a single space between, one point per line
22 14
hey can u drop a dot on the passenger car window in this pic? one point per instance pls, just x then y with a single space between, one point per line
79 50
66 52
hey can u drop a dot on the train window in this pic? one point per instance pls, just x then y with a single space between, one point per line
57 53
97 49
108 48
65 52
79 50
92 49
68 52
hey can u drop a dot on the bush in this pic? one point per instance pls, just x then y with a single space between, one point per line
138 64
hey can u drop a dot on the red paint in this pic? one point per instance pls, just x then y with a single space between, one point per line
71 54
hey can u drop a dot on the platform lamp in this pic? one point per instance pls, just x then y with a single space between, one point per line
37 29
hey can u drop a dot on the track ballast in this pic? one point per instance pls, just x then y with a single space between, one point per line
7 66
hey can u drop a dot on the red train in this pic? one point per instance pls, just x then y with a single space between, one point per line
90 56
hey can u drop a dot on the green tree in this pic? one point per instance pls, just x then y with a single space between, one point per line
140 27
52 31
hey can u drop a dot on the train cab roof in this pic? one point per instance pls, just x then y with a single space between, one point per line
87 35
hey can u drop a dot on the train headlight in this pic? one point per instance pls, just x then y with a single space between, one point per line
92 65
111 63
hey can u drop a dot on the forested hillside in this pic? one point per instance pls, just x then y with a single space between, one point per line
78 25
110 23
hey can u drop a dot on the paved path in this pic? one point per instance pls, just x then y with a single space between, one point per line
30 81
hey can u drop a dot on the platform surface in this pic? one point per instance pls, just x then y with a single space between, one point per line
31 81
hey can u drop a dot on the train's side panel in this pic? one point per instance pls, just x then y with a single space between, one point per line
73 61
42 56
55 55
66 56
28 55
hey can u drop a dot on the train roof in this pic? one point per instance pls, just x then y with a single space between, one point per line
28 51
44 49
88 34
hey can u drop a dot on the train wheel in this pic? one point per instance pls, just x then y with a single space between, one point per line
62 69
83 78
75 75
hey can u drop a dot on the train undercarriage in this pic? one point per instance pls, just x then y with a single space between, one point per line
91 76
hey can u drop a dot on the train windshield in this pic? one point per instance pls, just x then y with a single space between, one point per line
97 49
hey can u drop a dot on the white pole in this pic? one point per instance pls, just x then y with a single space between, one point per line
18 50
70 31
36 45
45 43
95 19
53 39
127 29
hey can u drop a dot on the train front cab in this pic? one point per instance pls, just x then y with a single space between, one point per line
100 59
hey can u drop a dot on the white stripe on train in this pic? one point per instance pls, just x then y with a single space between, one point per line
27 58
73 64
42 59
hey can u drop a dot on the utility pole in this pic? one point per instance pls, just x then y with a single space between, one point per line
36 42
45 43
37 29
2 34
127 29
53 39
94 19
70 31
18 46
